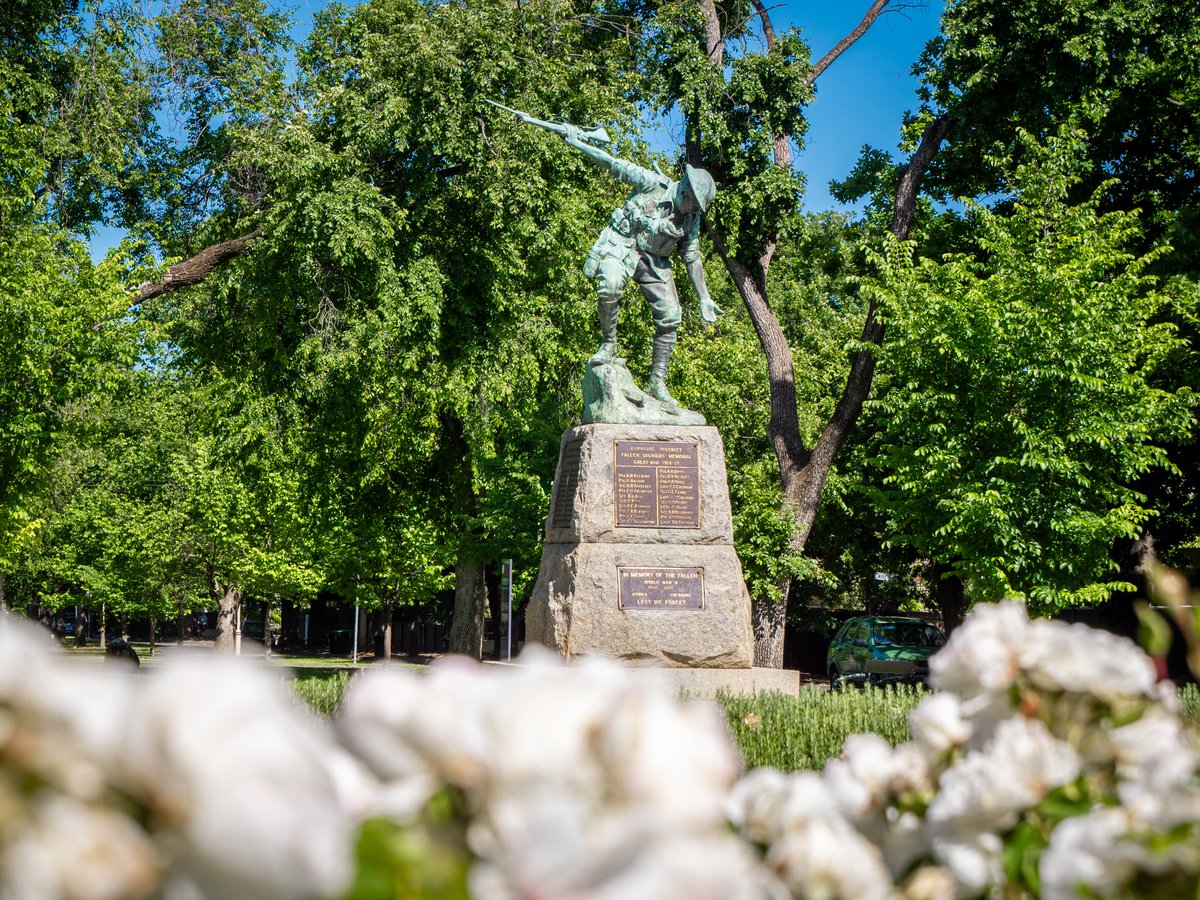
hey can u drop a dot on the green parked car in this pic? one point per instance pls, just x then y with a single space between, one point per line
882 650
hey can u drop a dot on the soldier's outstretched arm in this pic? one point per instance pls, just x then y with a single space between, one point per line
689 250
621 169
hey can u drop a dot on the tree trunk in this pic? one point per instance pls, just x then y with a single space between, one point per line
470 586
470 597
949 596
802 472
3 598
152 635
104 625
227 599
387 617
769 621
269 604
1134 556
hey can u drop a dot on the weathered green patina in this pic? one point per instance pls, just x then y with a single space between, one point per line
660 217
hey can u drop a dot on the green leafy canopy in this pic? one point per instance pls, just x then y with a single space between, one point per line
1020 404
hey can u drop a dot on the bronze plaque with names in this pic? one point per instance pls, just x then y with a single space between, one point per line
660 588
566 484
656 484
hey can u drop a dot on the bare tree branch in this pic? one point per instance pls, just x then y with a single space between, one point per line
815 466
845 43
195 269
803 471
767 27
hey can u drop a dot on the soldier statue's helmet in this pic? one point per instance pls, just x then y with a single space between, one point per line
702 186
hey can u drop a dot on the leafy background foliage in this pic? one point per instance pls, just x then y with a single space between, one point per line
369 398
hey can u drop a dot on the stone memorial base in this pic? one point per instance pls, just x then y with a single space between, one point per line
639 562
707 684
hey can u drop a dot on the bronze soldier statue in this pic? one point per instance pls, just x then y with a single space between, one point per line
660 216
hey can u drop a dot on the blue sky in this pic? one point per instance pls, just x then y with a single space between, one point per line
860 98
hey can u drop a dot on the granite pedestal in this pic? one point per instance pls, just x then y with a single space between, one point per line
638 562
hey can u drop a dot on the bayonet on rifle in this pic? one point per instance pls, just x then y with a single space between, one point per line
593 134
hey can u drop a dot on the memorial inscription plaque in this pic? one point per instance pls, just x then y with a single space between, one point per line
657 484
660 588
568 482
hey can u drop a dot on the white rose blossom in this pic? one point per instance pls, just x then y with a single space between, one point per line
766 803
871 773
982 796
809 845
982 656
827 859
938 726
1081 856
1103 852
931 883
574 776
79 851
974 859
1156 751
868 783
1061 656
234 769
202 772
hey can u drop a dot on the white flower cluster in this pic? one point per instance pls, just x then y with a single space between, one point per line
574 781
202 781
1049 761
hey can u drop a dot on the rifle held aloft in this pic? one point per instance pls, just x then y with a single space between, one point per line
594 134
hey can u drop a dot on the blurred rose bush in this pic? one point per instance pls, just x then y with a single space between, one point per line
1048 763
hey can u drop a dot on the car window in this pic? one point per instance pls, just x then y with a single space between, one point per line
907 634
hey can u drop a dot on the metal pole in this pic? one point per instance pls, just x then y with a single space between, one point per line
354 656
508 598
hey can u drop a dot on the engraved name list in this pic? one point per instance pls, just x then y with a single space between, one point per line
657 484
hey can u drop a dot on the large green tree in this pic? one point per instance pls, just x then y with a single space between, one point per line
743 113
1118 73
401 270
1020 398
73 104
113 527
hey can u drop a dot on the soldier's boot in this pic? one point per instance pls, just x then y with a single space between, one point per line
609 307
664 343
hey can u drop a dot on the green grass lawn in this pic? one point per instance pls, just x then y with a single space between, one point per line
770 729
789 732
1189 705
804 731
322 689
